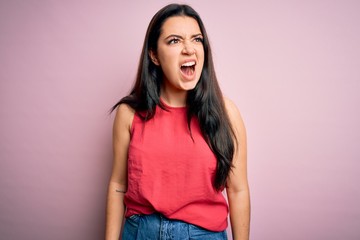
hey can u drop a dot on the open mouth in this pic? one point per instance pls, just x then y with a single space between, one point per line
188 68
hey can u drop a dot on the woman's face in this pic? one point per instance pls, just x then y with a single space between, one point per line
180 53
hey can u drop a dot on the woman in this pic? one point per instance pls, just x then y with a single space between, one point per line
178 143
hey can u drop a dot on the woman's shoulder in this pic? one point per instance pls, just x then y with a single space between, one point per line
230 107
124 108
124 115
233 113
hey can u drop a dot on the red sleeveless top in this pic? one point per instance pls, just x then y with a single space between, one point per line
171 173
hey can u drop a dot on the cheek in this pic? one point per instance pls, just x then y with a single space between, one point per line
200 55
201 59
168 60
169 65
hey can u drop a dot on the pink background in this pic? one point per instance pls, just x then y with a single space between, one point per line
292 67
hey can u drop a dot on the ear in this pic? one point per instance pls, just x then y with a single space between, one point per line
153 58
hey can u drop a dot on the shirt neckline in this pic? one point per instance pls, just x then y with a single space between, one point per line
172 107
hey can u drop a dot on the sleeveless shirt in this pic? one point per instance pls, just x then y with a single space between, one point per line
171 173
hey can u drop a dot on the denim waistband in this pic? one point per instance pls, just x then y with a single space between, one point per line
157 227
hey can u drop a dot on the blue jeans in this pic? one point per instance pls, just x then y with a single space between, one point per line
157 227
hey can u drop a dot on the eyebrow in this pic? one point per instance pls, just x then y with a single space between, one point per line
178 36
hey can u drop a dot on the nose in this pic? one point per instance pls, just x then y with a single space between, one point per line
188 49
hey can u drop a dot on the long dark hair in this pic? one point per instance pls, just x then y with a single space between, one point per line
205 101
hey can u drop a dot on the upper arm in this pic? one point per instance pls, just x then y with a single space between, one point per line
237 180
121 139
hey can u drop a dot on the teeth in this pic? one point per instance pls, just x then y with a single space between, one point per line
188 64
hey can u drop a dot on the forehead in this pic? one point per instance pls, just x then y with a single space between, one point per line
181 25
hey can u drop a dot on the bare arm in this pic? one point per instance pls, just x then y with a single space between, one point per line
237 187
118 182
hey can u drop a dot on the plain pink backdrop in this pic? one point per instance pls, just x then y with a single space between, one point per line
292 67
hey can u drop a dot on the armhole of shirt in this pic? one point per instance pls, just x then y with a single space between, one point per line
132 121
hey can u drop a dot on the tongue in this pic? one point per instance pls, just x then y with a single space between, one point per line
187 70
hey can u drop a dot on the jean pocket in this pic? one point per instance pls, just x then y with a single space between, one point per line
131 227
134 217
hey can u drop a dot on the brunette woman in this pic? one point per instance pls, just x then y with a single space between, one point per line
178 142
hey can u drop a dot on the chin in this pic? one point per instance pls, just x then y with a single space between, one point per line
189 85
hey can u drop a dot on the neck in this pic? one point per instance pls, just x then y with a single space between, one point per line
173 98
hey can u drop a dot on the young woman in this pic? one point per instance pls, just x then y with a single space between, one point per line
178 143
